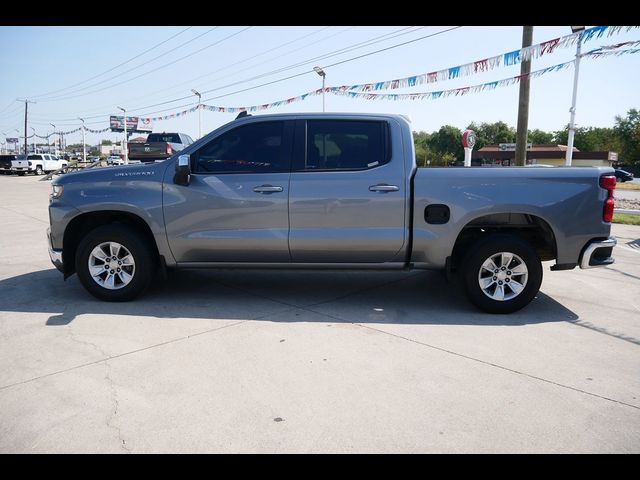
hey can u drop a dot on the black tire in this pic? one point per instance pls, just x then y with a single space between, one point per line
493 245
145 264
39 170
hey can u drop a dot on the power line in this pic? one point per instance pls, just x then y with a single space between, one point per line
333 64
355 46
150 71
8 106
65 95
113 68
333 53
310 71
190 81
210 73
343 50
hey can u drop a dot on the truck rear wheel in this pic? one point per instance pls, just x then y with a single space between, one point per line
501 274
113 263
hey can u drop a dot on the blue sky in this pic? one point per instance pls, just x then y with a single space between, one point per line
52 65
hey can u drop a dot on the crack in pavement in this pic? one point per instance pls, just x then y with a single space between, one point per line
131 352
112 387
484 362
25 215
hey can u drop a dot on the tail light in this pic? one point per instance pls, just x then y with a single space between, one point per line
608 182
169 150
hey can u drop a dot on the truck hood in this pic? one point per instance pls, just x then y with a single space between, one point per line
148 171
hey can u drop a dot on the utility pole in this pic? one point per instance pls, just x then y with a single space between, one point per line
523 101
26 107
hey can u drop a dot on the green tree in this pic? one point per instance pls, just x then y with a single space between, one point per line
627 130
492 133
106 142
539 137
447 140
74 146
590 139
423 152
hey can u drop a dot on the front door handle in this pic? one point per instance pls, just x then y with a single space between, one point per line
383 187
267 189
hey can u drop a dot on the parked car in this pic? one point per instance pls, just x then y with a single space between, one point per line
623 175
41 163
115 160
158 146
11 163
328 191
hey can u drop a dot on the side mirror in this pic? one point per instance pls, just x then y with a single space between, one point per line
183 170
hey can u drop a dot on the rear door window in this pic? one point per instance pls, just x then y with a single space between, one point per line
345 145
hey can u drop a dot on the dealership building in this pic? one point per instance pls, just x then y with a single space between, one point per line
503 154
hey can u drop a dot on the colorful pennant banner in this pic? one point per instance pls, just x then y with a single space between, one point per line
484 65
363 91
347 91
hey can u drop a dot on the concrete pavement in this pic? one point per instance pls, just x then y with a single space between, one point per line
258 361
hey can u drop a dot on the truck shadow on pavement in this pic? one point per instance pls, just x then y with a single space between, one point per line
267 295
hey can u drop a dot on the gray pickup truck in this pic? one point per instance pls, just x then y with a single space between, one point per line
328 191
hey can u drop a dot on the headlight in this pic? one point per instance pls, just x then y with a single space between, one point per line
57 191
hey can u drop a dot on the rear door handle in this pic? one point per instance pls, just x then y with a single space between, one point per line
267 189
383 187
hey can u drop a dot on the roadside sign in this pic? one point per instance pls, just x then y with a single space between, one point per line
134 124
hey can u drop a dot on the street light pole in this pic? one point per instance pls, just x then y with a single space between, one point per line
572 120
35 145
125 147
199 113
322 73
84 149
54 139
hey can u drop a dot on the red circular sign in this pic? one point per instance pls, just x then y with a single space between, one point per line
468 139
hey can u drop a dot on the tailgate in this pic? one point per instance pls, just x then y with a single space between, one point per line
148 150
20 164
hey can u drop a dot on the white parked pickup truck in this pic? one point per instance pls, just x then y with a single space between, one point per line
41 163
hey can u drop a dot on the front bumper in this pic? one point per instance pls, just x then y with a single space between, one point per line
598 253
54 255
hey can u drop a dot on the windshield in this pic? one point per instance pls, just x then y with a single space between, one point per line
21 157
164 137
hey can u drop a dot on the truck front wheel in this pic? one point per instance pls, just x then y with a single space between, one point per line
113 263
501 273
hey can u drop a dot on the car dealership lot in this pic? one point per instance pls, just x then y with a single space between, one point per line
272 361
